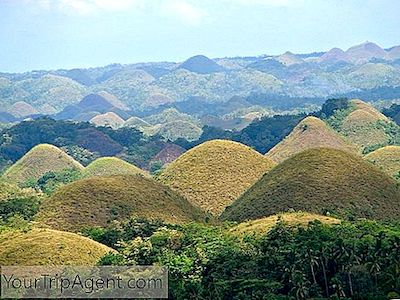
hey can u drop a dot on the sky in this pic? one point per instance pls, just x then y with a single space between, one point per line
54 34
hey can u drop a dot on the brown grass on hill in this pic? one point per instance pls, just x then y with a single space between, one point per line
264 225
49 248
110 119
213 174
97 201
38 161
309 133
319 181
107 166
387 159
168 154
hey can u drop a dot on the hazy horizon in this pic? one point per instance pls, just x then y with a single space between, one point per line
65 34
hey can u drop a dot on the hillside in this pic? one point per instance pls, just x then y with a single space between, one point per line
97 201
213 174
22 109
179 129
310 133
168 154
108 119
264 225
201 64
39 160
366 127
387 159
320 181
107 166
49 248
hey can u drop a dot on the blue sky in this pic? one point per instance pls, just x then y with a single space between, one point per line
52 34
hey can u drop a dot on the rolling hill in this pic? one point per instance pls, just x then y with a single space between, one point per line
179 129
320 181
387 159
97 201
107 166
48 248
264 225
168 154
110 119
213 174
201 64
39 160
311 132
22 109
368 128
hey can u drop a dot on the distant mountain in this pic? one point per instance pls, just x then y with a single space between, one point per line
335 54
365 52
201 64
288 59
22 109
394 53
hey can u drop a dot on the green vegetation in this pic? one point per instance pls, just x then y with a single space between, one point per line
38 161
213 174
107 166
48 247
320 181
97 201
387 159
345 260
309 133
179 129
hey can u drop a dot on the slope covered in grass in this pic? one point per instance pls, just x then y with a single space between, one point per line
107 166
48 247
98 200
264 225
309 133
319 181
387 159
39 160
366 127
110 119
213 174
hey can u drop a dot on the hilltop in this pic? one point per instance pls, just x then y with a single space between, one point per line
264 225
107 166
213 174
39 160
365 126
319 181
48 248
110 119
22 109
179 129
387 159
201 64
97 201
311 132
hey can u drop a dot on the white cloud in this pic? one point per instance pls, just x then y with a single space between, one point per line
183 10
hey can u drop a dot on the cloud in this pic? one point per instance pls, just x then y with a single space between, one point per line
183 10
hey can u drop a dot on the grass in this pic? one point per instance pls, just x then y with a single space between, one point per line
215 173
110 119
320 181
168 154
387 159
367 128
264 225
179 129
97 201
309 133
40 246
9 191
107 166
39 160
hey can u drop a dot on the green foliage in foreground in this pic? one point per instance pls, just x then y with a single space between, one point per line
358 261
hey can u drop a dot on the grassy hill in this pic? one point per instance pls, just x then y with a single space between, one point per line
366 127
107 166
264 225
213 174
22 109
168 154
179 129
48 247
39 160
309 133
387 159
319 181
98 200
110 119
201 64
